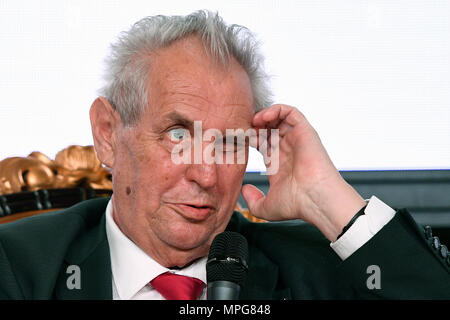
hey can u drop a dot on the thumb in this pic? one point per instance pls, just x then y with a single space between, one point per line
255 199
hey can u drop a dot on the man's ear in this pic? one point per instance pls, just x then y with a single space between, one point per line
104 121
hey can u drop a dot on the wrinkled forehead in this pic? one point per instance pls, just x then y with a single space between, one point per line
186 84
195 104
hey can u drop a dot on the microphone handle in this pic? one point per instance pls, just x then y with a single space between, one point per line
223 290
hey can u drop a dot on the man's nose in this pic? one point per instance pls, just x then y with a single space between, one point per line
205 175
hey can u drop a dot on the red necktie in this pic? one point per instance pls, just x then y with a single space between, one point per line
176 287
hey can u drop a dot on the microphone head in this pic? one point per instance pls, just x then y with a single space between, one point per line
227 259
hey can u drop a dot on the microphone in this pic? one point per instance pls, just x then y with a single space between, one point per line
226 268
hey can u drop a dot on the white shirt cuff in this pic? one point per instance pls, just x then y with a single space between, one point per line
377 215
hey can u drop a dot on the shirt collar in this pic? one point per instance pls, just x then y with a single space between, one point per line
132 268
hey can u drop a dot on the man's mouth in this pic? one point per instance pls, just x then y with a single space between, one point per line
193 211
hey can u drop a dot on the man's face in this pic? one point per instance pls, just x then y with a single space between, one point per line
173 211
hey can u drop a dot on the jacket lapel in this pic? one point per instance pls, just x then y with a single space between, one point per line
263 275
262 279
86 272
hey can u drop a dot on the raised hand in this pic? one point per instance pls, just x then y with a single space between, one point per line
306 184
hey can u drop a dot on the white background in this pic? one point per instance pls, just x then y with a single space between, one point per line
373 77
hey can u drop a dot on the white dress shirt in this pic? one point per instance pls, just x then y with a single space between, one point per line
133 269
376 215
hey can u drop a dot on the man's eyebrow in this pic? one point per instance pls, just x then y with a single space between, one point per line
177 118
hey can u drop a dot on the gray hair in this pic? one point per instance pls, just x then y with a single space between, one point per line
128 66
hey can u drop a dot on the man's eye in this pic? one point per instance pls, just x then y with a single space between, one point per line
178 134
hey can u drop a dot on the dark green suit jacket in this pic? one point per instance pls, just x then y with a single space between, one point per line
287 260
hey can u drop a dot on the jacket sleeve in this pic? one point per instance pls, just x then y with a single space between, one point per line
401 261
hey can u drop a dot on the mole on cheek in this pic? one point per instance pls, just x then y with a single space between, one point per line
128 190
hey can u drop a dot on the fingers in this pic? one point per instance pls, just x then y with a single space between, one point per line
281 117
255 199
284 129
276 114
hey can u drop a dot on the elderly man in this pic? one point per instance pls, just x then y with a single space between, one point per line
164 76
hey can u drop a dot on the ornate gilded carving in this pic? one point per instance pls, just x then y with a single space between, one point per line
73 167
246 213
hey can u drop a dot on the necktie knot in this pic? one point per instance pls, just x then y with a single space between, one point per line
177 287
